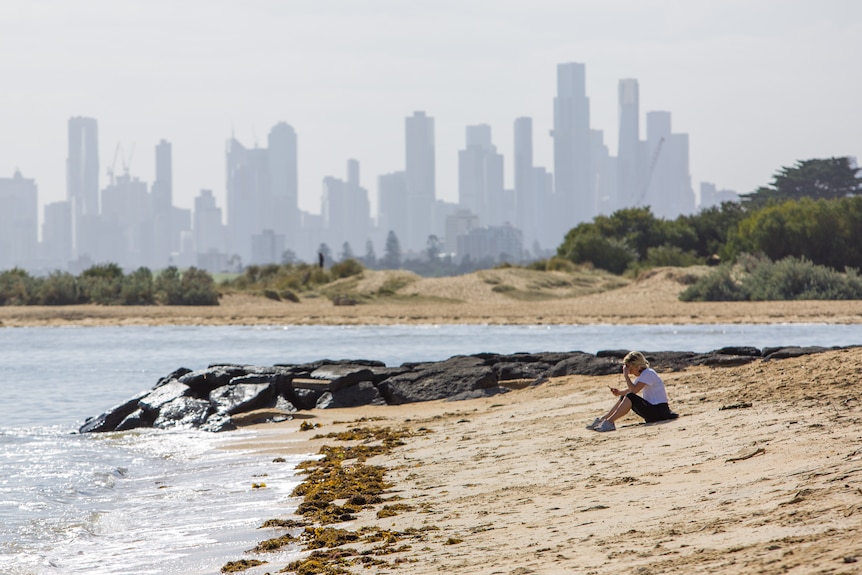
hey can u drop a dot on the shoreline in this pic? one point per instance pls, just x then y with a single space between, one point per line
761 473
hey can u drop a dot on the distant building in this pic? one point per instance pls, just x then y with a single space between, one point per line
261 190
630 184
668 190
480 176
267 248
573 189
711 196
346 210
420 175
82 184
57 235
392 206
459 224
495 243
527 204
19 217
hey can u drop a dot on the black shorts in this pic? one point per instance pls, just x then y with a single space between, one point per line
650 412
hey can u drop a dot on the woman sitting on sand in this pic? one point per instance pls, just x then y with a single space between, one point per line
652 406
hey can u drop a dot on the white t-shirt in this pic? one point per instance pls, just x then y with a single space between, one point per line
653 391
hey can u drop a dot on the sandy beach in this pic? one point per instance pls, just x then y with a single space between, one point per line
762 473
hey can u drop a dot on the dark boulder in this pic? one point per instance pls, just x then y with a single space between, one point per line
363 393
788 352
185 412
430 381
509 370
202 382
109 420
243 394
580 363
343 375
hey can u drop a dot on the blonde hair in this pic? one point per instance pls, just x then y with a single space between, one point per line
636 359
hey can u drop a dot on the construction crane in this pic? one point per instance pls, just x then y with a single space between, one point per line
652 165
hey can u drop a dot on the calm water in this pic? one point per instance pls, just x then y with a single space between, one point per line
173 502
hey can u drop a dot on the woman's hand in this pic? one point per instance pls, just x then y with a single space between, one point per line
616 391
625 369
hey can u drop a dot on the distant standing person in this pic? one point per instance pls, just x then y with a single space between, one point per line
653 406
320 260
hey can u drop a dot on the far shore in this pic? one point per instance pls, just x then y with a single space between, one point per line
653 301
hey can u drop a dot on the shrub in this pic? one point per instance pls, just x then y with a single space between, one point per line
59 288
611 254
102 284
788 279
197 288
346 268
17 287
716 286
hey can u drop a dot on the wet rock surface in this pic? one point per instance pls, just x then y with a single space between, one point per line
208 399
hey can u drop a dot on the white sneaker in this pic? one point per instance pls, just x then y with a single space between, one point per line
595 423
606 425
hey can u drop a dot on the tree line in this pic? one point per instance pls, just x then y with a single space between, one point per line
107 284
810 215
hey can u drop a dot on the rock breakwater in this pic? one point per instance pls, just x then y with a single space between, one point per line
216 398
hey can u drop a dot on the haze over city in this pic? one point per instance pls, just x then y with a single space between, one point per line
755 85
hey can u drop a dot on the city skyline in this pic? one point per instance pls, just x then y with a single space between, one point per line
755 87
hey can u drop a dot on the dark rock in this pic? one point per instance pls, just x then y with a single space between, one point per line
788 352
304 398
243 394
721 360
109 420
163 394
363 393
437 381
202 382
176 374
739 350
343 375
580 363
514 370
136 419
218 422
183 412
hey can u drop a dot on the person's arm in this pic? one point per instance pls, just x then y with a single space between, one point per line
631 386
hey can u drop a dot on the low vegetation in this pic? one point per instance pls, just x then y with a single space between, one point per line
760 279
106 284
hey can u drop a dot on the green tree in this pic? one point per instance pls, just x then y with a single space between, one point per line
392 254
138 288
197 287
59 288
370 259
102 284
168 286
16 287
829 178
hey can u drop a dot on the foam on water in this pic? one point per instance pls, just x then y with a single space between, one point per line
151 502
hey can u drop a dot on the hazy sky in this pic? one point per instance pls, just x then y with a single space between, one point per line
756 84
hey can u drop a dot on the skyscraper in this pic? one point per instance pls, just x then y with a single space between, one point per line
420 177
669 192
262 190
284 181
19 231
480 176
526 200
576 201
630 182
82 184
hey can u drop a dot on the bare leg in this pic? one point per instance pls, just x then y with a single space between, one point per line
620 408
